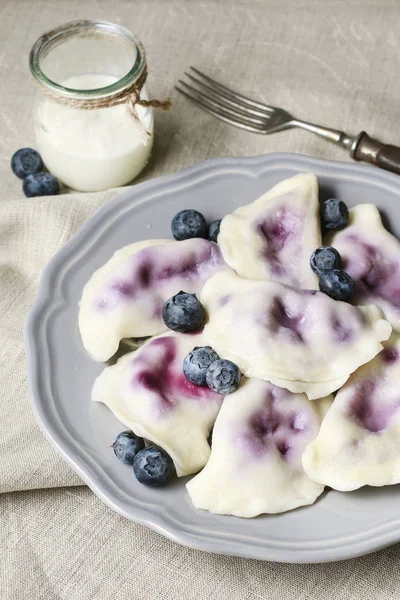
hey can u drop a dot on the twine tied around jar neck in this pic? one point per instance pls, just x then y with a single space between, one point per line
129 96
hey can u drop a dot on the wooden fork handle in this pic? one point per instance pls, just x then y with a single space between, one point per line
373 151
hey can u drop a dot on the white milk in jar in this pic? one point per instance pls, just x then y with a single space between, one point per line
90 78
92 150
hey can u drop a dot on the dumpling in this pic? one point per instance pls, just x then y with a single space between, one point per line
149 393
274 237
298 339
257 443
125 297
371 255
359 440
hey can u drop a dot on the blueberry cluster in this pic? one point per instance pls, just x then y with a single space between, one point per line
27 164
202 366
197 362
152 466
190 223
185 313
326 261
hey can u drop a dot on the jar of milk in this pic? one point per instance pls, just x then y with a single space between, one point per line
93 118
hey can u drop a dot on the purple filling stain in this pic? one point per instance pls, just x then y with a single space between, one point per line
180 384
157 377
297 422
151 267
101 303
269 427
122 289
341 333
144 275
375 275
389 355
283 447
224 300
378 270
164 376
278 231
285 320
155 307
367 410
188 269
395 297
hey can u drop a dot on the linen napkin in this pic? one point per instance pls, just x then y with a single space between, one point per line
30 233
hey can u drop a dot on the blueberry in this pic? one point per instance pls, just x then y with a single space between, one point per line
40 184
325 258
153 466
126 446
184 312
189 224
223 377
26 162
213 230
334 214
337 284
196 363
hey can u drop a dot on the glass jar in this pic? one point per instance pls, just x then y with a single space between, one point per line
81 64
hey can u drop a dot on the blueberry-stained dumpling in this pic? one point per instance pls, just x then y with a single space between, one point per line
274 236
125 297
148 392
257 443
298 339
371 255
359 440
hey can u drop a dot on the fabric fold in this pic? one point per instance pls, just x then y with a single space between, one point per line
27 460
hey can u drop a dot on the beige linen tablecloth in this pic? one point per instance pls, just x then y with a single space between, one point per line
336 62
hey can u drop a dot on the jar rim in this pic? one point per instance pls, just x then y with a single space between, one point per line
56 36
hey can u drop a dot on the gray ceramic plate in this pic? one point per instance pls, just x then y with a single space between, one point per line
61 374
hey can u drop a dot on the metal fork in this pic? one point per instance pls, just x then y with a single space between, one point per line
241 111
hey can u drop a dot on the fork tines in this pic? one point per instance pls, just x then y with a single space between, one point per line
224 103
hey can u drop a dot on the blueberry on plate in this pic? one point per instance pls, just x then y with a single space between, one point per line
196 363
184 312
223 376
213 230
126 445
188 224
324 259
337 284
153 466
26 162
334 214
40 184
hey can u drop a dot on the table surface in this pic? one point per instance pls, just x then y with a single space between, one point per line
333 62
